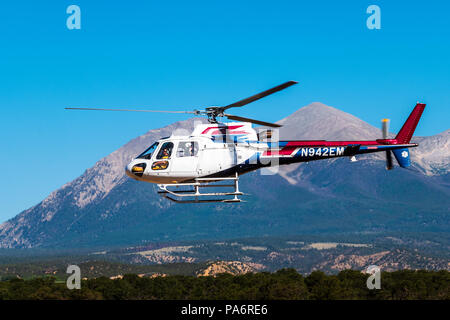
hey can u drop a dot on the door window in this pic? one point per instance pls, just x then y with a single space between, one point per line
166 151
187 149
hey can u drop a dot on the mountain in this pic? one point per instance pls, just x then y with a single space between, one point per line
103 207
318 121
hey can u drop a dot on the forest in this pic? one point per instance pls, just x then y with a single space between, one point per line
285 284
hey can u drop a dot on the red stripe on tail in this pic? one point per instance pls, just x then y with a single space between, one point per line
406 132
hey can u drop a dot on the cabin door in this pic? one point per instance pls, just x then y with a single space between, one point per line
185 162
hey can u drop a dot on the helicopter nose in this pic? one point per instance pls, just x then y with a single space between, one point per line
132 169
128 170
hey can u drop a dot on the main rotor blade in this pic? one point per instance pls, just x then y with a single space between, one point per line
260 95
130 110
263 123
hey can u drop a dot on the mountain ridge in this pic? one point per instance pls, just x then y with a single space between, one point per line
103 192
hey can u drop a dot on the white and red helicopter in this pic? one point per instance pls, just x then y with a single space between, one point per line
216 154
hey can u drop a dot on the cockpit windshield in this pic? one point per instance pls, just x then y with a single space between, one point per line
147 154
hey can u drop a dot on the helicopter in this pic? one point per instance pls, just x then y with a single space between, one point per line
216 154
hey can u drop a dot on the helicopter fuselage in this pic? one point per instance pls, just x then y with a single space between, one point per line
223 150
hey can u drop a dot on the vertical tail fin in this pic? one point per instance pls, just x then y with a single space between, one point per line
406 132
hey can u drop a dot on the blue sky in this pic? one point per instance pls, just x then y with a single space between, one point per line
183 55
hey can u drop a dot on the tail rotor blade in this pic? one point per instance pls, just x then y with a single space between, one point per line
385 128
385 133
389 162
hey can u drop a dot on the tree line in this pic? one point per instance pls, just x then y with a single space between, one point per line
283 284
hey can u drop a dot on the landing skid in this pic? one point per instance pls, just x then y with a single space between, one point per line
193 194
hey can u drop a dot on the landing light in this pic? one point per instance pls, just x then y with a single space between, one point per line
137 169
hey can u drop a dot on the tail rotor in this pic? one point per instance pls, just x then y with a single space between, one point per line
385 131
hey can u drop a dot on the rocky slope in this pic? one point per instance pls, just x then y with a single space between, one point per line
91 187
230 267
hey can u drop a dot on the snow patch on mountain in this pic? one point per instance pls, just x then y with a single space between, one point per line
432 156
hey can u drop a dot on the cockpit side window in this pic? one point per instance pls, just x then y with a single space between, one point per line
166 151
187 149
147 154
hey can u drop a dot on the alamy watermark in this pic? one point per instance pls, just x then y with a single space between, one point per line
74 280
374 280
74 20
270 159
374 20
261 150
